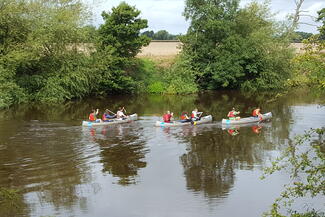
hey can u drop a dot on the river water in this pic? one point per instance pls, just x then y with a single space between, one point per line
138 170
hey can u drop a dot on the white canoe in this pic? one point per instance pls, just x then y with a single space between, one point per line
205 119
265 116
132 117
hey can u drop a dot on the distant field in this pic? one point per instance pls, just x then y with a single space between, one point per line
172 48
161 48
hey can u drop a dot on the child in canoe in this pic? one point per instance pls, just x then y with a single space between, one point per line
93 116
168 116
196 115
232 114
106 116
120 114
185 118
257 113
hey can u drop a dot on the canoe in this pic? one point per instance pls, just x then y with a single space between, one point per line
203 120
132 117
265 116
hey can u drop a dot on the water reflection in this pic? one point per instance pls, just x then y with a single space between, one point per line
123 149
213 156
256 128
43 157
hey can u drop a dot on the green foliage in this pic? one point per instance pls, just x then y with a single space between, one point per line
121 31
10 92
321 18
39 51
156 87
235 48
180 79
305 161
160 35
309 67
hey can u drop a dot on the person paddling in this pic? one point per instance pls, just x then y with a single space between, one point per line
120 114
93 115
232 114
257 113
196 115
106 116
168 116
185 118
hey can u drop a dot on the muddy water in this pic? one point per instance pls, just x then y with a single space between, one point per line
136 169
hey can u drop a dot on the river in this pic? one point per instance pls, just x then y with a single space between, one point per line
138 170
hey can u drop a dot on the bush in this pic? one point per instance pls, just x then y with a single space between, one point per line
180 78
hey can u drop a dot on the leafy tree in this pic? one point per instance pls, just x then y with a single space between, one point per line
321 18
161 35
121 31
305 161
39 44
309 67
234 48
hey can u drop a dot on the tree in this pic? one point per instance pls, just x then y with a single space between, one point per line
121 31
161 35
149 34
321 18
235 48
39 56
305 160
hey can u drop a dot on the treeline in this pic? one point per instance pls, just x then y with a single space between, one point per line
43 58
49 54
300 36
160 35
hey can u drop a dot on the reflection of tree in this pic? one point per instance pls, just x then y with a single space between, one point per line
213 156
45 160
123 153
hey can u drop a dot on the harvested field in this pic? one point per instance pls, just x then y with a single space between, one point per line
161 48
172 48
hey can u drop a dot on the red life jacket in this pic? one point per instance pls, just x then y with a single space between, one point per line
166 117
231 114
92 117
183 117
192 115
255 112
104 117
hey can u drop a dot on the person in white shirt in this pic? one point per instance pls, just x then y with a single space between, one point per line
196 115
120 114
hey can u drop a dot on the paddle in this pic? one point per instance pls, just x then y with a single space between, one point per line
200 115
111 111
124 110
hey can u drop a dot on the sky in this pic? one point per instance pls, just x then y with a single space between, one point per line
167 14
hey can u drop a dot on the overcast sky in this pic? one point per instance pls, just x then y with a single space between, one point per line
167 14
